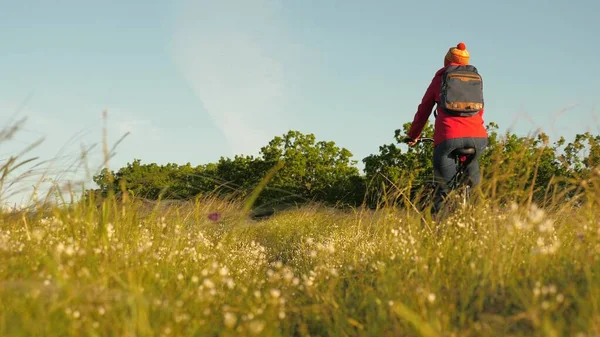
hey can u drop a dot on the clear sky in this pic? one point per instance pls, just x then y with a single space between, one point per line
196 80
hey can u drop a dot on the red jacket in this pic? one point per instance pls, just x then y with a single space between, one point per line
446 126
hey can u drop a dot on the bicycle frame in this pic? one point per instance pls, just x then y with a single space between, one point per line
457 180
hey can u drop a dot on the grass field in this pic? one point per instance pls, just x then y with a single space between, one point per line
136 268
133 269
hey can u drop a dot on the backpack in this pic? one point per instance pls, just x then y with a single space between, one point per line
462 91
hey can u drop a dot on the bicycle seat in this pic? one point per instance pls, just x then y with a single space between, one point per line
465 151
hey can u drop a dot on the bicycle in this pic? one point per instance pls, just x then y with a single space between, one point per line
462 158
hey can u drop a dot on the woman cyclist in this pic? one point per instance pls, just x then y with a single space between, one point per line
458 124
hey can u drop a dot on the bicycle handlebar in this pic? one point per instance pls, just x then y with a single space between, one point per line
420 140
425 140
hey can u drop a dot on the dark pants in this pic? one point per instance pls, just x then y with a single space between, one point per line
444 165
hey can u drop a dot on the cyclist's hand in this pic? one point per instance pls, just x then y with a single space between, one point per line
410 141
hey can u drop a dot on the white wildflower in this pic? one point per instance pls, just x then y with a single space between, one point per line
431 297
256 327
540 242
288 275
110 230
551 249
536 214
275 293
519 224
208 283
546 226
230 320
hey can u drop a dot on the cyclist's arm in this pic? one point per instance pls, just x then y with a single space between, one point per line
424 109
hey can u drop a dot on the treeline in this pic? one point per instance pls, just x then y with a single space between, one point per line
297 168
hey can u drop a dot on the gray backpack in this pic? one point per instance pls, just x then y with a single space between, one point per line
462 91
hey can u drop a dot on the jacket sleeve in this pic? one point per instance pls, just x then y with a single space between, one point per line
424 109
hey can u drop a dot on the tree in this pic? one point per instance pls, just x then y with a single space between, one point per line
312 171
392 169
318 171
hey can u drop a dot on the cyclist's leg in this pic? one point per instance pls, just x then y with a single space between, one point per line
444 169
472 173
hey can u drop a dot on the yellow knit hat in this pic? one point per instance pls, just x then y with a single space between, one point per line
458 54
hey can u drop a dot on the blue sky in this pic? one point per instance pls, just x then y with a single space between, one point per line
196 80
